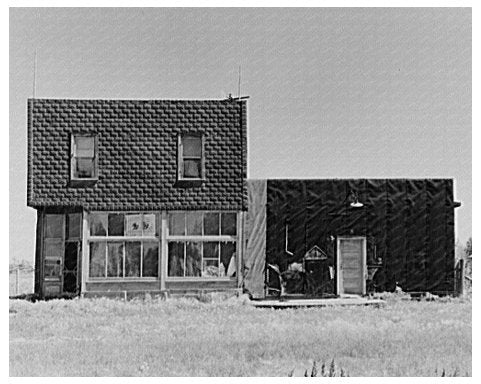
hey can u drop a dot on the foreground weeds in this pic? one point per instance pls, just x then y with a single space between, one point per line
229 337
332 371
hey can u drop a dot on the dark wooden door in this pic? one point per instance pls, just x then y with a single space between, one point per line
53 253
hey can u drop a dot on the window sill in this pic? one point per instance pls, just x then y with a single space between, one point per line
83 182
121 279
174 278
188 183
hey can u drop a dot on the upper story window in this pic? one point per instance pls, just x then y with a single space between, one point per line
83 158
191 161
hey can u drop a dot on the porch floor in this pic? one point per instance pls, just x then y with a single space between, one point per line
350 300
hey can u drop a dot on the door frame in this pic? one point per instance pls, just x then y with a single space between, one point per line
41 289
50 283
339 282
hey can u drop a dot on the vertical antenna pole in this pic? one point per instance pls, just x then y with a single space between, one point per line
239 87
17 282
35 73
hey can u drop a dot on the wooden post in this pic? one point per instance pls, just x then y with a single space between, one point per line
461 277
240 248
84 269
38 274
163 251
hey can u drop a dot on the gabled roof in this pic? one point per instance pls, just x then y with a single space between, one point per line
315 253
137 141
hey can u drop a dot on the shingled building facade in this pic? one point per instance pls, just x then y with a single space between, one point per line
137 196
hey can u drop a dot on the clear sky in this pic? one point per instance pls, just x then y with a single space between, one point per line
335 93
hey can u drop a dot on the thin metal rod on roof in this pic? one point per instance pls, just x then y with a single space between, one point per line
239 86
35 73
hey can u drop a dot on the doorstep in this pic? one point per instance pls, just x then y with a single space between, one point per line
350 300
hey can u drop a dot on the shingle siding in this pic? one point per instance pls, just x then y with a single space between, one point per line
137 149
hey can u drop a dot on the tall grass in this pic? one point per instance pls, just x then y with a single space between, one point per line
185 337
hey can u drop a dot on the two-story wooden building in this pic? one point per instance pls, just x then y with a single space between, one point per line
136 196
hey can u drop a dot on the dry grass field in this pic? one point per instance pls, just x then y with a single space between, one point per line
186 337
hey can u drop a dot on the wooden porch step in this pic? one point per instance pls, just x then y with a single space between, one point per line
332 302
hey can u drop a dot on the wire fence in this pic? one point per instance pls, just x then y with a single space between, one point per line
21 279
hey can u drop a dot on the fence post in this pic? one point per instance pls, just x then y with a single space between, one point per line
461 277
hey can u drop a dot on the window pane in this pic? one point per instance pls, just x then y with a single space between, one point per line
98 224
70 282
192 169
114 259
85 153
71 255
229 224
116 224
84 143
158 224
74 225
133 225
228 259
97 259
211 223
84 167
211 250
132 259
193 259
192 146
150 267
54 226
194 223
148 224
210 268
176 259
177 224
84 147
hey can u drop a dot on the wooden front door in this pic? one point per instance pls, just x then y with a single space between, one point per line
61 253
351 265
53 253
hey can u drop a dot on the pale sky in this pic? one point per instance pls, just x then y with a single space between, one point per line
334 93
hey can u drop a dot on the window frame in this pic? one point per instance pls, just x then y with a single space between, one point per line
124 240
161 239
73 158
203 239
181 158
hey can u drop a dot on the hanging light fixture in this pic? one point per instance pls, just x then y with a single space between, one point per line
355 203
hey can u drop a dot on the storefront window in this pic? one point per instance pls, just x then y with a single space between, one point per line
128 245
202 244
124 245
